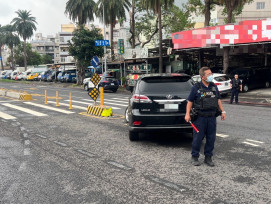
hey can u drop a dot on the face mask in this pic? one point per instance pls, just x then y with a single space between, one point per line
210 78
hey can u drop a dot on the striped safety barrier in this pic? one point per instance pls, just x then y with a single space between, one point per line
103 111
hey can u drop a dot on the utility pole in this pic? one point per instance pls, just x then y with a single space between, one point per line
104 43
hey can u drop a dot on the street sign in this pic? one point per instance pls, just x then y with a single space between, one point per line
95 79
121 46
95 61
94 93
102 43
0 58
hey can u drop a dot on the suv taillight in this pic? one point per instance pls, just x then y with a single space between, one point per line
141 99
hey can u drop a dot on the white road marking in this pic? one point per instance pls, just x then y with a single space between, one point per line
248 143
91 104
22 166
26 110
222 135
27 152
49 108
255 141
73 106
124 98
6 116
105 101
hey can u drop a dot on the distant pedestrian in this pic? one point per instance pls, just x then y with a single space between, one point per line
236 86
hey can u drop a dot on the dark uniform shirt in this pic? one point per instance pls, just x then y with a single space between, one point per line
195 93
236 83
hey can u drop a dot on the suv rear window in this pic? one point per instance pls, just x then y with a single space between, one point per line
165 84
222 78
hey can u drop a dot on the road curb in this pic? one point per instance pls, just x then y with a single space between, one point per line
24 96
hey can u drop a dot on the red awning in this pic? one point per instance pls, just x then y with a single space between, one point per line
251 31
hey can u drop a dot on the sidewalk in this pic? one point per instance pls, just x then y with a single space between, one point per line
260 97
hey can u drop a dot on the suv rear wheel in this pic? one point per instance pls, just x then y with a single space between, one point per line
133 136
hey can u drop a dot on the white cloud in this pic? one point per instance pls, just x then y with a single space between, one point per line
49 13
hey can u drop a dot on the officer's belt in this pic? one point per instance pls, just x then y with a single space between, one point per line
206 115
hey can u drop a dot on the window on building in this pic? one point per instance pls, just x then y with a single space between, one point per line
260 5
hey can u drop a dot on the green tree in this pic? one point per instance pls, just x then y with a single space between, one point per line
113 10
80 11
11 40
47 59
1 44
33 58
25 25
82 48
156 6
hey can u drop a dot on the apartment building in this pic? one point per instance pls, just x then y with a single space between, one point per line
258 9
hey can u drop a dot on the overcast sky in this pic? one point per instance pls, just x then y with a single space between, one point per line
49 13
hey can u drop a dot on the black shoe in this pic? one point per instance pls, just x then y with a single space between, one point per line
237 103
230 102
208 161
195 161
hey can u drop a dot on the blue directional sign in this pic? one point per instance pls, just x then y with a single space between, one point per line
95 61
102 43
0 58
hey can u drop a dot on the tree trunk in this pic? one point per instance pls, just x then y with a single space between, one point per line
111 39
2 66
160 39
133 24
25 63
12 58
207 13
226 51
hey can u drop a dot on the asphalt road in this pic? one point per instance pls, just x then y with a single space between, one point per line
49 156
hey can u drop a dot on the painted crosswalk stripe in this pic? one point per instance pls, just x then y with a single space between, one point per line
256 141
105 102
248 143
222 135
49 108
90 104
6 116
123 98
26 110
65 104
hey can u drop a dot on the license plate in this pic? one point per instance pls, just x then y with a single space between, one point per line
172 106
112 84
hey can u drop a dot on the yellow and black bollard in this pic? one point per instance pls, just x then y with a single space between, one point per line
46 102
102 96
70 101
57 99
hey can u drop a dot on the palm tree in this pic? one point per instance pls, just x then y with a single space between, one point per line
1 44
156 5
80 11
25 24
113 10
11 40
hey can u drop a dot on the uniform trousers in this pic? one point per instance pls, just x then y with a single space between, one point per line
206 127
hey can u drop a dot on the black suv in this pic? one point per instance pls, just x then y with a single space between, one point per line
158 102
253 77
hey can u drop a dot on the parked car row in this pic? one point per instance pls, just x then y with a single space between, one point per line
49 75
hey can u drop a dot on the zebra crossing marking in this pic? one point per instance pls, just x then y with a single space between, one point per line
252 142
105 102
73 101
126 101
65 104
26 110
6 116
49 108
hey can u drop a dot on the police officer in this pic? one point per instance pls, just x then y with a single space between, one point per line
236 85
205 99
